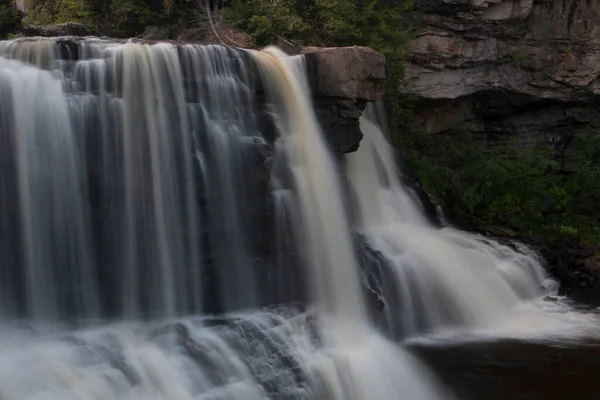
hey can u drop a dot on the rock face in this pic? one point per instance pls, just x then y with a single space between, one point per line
522 67
155 32
577 267
342 81
67 29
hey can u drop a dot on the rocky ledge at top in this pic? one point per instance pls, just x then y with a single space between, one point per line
66 29
528 68
342 79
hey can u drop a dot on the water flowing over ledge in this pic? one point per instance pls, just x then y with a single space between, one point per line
165 182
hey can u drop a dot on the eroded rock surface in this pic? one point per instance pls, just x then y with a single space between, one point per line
343 80
66 29
524 67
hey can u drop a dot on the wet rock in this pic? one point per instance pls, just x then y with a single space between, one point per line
575 266
342 81
339 119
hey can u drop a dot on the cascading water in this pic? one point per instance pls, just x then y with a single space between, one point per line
315 176
443 277
371 366
45 227
138 182
162 137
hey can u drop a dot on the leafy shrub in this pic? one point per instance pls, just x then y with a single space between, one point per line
375 23
535 191
9 17
260 29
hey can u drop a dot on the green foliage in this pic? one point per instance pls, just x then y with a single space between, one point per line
283 16
378 24
115 17
44 12
260 29
327 22
9 17
535 191
127 17
73 10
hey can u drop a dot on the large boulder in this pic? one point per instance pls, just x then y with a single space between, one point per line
342 81
577 267
356 73
506 67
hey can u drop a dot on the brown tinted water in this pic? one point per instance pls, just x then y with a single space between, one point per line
517 370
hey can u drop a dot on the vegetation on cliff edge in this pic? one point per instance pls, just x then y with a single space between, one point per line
379 24
112 17
528 192
10 19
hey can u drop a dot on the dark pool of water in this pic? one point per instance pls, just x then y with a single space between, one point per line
517 370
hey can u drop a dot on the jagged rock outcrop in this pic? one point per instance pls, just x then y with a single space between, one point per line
343 80
524 67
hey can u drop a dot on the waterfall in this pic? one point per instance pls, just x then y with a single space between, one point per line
43 201
327 234
123 163
442 277
372 366
146 189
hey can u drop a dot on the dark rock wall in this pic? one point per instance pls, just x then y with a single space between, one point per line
342 81
527 68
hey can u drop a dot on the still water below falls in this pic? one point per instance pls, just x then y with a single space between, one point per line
173 226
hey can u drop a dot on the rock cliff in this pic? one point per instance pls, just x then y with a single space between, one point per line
527 68
343 80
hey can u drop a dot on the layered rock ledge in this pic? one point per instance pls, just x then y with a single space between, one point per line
522 67
343 80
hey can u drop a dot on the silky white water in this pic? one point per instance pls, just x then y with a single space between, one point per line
148 149
445 278
144 184
41 177
145 189
372 365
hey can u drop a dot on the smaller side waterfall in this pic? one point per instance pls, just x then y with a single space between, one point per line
327 234
443 277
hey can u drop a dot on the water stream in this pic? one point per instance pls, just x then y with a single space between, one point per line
174 226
